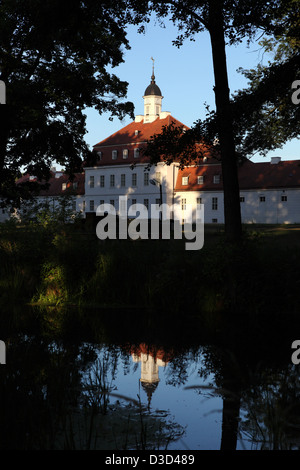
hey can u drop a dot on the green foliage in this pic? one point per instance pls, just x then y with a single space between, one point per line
55 59
47 213
53 284
264 117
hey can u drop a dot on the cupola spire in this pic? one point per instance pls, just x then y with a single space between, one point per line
152 99
153 76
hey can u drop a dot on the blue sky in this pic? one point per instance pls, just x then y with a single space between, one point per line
184 75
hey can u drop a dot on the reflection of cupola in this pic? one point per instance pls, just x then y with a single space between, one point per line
152 100
149 374
149 370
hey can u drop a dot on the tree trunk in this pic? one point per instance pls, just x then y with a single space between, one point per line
230 423
232 211
3 139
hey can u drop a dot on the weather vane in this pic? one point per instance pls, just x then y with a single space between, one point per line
153 60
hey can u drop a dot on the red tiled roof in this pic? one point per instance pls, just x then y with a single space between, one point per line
285 174
265 175
55 184
131 136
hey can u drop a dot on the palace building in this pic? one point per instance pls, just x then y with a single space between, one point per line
269 191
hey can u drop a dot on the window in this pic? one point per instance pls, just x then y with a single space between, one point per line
123 180
123 207
63 186
217 179
92 206
134 179
214 221
125 153
147 110
83 206
157 110
284 198
262 199
114 154
112 181
183 204
214 204
136 153
100 154
112 202
158 176
157 202
185 180
199 201
102 181
146 203
133 201
75 185
101 202
146 179
242 199
92 181
200 179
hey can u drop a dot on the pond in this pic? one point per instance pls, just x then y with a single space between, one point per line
100 381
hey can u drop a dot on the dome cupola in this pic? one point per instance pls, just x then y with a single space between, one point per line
152 100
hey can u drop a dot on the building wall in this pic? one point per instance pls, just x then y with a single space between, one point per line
213 202
277 206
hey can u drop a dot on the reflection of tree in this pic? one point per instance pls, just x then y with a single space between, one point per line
39 385
226 382
56 394
272 411
128 423
230 417
260 404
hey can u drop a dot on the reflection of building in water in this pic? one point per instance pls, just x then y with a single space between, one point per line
150 359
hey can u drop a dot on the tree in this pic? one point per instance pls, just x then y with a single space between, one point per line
265 115
225 21
54 60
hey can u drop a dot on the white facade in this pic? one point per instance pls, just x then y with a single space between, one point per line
271 206
268 206
104 185
213 204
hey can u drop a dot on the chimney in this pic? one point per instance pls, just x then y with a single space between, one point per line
275 160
